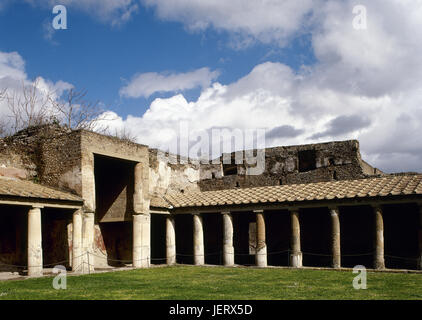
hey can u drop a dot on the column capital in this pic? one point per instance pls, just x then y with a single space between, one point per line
376 206
88 213
293 209
37 206
196 213
225 212
334 211
258 211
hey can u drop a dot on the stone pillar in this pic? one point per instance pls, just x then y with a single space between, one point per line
335 237
77 259
420 236
296 255
88 231
141 240
261 247
170 240
228 248
137 191
379 262
35 261
198 240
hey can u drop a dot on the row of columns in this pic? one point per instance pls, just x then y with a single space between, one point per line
82 241
296 256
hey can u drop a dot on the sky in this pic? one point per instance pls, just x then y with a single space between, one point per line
303 71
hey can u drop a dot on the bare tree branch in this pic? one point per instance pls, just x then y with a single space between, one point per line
29 107
124 134
76 112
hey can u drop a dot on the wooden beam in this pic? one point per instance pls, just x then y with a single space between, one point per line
300 204
40 204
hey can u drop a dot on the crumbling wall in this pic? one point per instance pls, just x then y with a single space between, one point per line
47 154
296 164
19 154
60 162
168 173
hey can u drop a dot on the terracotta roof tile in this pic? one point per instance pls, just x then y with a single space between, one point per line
159 202
346 189
28 189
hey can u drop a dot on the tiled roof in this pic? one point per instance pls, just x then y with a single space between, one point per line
392 185
27 189
158 202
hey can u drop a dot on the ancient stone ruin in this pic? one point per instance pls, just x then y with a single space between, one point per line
91 202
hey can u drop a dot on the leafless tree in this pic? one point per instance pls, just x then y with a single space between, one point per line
3 94
2 123
75 112
29 107
124 134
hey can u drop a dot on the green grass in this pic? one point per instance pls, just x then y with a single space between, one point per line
184 282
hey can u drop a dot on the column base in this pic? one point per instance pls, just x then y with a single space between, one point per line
336 263
228 256
35 272
198 259
261 257
296 260
171 256
141 257
88 263
379 264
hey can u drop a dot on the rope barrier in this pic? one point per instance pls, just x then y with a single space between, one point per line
88 254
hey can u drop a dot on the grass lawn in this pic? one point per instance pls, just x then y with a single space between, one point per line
185 282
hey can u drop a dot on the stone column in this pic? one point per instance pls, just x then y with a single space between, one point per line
420 236
379 262
335 237
137 191
261 247
141 241
296 255
228 249
77 259
88 232
198 240
170 240
35 261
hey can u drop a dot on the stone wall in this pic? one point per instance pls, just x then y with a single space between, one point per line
169 174
295 164
19 154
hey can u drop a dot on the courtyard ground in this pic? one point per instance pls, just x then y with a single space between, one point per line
197 283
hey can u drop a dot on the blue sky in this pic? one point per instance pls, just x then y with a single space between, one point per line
305 71
100 57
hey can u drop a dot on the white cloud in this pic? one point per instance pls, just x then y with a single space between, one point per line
14 79
114 12
365 85
369 79
145 84
263 20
